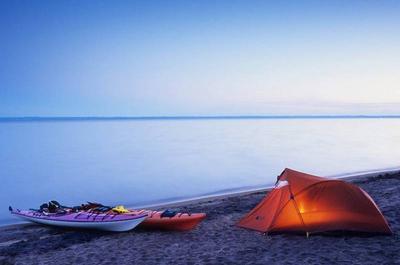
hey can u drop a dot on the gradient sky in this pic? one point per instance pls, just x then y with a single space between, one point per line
79 58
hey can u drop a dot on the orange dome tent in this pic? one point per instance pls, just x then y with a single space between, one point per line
305 203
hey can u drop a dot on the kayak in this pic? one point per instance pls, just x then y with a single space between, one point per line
177 222
84 220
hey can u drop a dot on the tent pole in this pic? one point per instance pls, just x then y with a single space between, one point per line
297 208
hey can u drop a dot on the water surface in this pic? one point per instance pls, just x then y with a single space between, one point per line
151 160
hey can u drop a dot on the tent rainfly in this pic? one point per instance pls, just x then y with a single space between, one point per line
305 203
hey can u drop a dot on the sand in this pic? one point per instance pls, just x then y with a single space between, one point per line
216 241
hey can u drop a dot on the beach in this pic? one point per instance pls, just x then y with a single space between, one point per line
232 122
215 241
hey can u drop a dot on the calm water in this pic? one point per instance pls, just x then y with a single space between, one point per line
135 162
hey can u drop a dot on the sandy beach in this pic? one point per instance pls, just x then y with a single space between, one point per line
216 241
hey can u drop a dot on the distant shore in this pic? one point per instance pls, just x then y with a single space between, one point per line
216 241
193 117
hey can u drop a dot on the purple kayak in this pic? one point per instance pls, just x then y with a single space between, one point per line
85 220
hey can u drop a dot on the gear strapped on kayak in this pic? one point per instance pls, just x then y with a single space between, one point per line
97 216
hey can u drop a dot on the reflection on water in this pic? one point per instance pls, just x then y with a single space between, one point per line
134 162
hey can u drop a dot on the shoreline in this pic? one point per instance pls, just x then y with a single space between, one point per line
218 195
239 192
217 240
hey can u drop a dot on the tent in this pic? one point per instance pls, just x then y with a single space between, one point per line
305 203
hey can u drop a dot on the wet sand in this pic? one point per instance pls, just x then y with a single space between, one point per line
216 241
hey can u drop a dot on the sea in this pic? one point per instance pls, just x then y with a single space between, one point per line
151 160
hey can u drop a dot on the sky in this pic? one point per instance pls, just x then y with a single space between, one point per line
151 58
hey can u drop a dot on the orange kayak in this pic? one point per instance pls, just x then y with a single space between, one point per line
178 222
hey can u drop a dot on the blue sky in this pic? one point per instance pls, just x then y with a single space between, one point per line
106 58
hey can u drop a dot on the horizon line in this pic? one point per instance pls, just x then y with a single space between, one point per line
195 117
